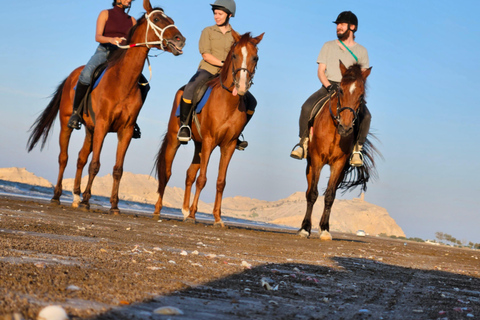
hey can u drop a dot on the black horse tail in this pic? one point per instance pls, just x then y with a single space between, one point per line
160 168
359 176
43 124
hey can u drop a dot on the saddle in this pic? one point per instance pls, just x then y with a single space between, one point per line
86 104
200 96
319 104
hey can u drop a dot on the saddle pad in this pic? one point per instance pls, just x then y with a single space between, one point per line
96 81
200 104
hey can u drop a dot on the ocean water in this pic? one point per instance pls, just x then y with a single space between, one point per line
9 188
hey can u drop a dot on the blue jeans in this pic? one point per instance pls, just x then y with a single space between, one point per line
99 57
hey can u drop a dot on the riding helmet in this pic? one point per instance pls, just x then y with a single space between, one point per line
226 5
347 17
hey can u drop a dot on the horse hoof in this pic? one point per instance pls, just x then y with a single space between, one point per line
55 202
219 224
303 233
83 206
190 220
156 216
325 236
185 213
115 211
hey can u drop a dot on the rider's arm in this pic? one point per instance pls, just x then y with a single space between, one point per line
321 74
99 37
208 57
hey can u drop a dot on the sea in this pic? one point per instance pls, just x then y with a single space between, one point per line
31 192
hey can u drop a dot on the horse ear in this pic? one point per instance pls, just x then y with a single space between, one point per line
343 69
236 35
366 73
147 6
258 39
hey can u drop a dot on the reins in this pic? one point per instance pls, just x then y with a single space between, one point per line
340 109
147 43
235 71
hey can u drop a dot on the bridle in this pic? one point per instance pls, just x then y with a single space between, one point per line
158 31
250 74
340 109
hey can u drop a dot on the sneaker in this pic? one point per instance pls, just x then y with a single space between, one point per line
75 121
356 160
241 145
299 151
184 134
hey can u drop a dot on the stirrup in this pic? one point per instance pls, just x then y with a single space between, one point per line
356 164
136 132
75 121
241 144
184 139
296 155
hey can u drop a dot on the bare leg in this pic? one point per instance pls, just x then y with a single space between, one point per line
207 149
313 175
190 179
64 141
225 157
81 162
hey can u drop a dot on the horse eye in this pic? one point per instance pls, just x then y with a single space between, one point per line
156 20
234 56
255 58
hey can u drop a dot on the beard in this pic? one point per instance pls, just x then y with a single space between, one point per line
343 36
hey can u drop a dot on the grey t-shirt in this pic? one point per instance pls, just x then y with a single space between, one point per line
331 53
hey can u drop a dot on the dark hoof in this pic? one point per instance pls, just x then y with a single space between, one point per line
219 224
190 220
156 216
55 202
115 211
84 206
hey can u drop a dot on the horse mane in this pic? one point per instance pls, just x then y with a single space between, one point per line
228 60
118 54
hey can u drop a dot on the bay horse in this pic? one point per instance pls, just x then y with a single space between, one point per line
116 103
332 138
221 121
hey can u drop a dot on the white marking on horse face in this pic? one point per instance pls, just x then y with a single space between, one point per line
243 73
352 88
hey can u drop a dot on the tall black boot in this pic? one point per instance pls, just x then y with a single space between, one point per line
185 133
76 119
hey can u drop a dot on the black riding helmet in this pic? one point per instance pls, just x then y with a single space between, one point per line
347 17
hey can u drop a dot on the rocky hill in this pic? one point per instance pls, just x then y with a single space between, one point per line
347 215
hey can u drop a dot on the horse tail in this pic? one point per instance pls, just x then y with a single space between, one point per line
160 165
359 176
41 127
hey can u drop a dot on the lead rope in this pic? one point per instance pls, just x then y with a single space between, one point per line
147 43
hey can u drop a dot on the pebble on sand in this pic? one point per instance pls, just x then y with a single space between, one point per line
171 311
52 313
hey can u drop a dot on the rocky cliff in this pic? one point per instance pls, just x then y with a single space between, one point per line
346 216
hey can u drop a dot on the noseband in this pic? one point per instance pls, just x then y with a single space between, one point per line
234 73
340 109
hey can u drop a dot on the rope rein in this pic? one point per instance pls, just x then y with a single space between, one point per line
158 32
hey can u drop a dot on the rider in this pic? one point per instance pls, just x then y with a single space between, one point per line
349 52
214 45
112 28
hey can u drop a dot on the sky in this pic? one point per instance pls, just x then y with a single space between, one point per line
422 93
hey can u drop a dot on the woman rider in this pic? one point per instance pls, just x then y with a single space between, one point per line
214 45
112 28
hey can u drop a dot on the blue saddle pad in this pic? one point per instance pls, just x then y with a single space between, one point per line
96 82
200 104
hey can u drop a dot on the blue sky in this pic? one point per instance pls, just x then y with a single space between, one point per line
422 93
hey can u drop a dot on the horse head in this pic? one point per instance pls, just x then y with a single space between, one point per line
241 62
161 31
351 94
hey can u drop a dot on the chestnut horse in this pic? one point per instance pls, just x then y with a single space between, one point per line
332 138
221 121
116 103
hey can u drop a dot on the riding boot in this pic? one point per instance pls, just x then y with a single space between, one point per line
136 132
356 160
76 118
185 133
242 144
299 151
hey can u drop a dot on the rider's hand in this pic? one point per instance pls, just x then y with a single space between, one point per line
332 87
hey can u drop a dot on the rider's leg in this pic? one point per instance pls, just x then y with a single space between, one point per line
300 150
251 104
357 158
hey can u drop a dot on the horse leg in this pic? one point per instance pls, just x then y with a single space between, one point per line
190 179
313 175
65 133
97 143
225 157
202 176
124 139
81 162
336 176
165 158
